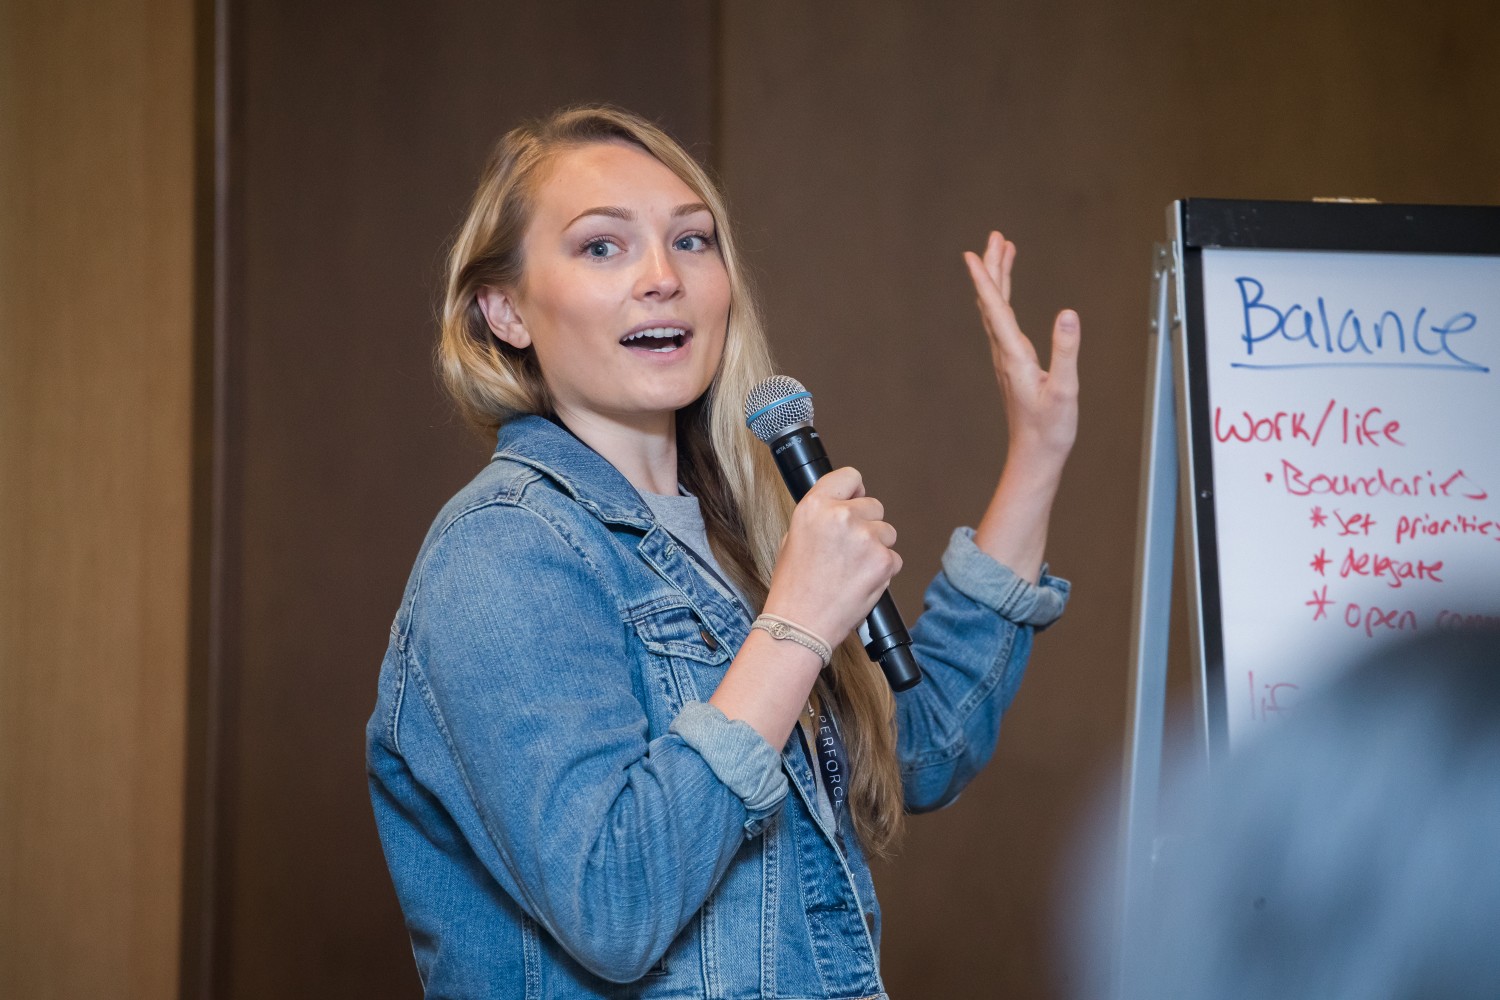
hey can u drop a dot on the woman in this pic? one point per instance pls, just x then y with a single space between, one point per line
582 758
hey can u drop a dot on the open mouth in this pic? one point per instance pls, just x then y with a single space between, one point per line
657 340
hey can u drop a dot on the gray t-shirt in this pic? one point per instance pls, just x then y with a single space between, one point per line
683 518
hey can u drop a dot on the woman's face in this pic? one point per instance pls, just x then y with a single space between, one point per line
623 293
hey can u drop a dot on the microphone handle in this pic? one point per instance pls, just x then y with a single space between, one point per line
800 456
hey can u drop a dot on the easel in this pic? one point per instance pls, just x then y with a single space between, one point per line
1151 606
1175 454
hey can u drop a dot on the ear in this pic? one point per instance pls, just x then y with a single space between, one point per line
505 322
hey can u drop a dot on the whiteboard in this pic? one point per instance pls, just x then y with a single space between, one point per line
1350 415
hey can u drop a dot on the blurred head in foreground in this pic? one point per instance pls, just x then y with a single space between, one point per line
1354 852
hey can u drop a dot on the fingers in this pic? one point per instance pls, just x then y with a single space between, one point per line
999 257
992 283
980 276
845 488
867 508
1007 263
1067 335
999 319
837 556
985 286
841 484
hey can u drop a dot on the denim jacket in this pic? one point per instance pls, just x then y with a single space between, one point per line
563 813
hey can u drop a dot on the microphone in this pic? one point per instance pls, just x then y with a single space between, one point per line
779 411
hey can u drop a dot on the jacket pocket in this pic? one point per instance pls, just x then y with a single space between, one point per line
686 651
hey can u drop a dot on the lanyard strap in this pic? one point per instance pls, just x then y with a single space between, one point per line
830 761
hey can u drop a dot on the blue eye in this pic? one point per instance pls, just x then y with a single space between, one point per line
694 242
600 249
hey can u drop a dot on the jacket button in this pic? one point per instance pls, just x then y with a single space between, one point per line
870 922
708 639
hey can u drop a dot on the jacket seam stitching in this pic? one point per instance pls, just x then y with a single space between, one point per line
393 722
966 708
425 690
512 499
506 497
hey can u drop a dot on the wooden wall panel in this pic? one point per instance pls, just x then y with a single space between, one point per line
357 132
865 145
96 299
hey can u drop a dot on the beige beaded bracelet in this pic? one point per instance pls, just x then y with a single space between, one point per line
781 628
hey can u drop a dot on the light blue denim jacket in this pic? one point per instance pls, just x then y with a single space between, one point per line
562 812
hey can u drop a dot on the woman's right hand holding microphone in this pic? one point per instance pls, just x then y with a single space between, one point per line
835 562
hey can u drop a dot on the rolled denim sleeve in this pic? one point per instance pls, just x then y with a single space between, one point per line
972 641
976 574
739 755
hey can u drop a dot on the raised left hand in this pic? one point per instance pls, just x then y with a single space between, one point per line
1041 406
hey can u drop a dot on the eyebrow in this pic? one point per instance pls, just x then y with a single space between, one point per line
626 215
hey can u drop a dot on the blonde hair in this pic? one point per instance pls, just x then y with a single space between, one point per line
745 507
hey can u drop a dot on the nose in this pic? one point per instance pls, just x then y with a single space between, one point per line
658 277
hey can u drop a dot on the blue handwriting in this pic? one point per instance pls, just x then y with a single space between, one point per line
1389 342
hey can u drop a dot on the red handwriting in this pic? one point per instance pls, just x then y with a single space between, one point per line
1354 524
1371 618
1281 426
1263 706
1319 602
1394 571
1367 427
1413 526
1381 483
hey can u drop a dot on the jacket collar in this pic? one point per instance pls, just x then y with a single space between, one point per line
577 469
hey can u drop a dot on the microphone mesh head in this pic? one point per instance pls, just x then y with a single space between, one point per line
776 405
